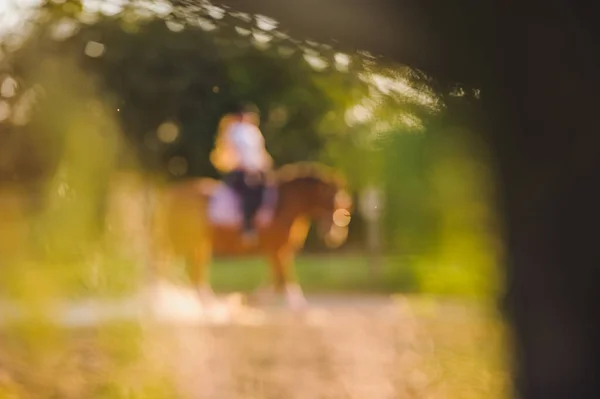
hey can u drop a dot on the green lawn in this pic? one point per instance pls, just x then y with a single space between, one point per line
352 274
317 274
323 274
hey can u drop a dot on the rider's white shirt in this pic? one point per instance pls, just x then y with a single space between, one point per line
249 144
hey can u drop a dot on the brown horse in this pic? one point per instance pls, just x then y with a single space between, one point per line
305 192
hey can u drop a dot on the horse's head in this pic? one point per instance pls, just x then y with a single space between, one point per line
325 201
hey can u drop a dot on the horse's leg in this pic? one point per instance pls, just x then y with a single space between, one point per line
158 262
282 263
158 254
198 264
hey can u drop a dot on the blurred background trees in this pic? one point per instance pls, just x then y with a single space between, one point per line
94 95
166 73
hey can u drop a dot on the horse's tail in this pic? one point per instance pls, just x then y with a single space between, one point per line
179 218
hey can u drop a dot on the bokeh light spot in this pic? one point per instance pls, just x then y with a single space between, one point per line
94 49
174 26
357 114
243 31
242 15
278 116
262 37
178 166
265 23
316 62
205 24
8 88
342 61
341 218
168 132
215 12
64 29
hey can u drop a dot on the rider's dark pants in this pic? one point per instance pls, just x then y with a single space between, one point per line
251 194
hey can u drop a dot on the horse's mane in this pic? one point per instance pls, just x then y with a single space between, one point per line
309 170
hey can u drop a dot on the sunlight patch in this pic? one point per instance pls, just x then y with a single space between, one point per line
241 15
411 121
108 8
64 29
342 61
357 115
265 23
9 87
262 37
215 12
205 24
94 49
243 31
175 26
316 62
159 8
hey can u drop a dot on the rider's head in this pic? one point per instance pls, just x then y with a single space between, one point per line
248 112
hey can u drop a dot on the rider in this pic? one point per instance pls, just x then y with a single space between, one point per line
241 155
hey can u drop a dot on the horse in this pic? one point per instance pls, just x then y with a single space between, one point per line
200 217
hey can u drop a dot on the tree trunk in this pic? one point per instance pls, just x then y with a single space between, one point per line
541 93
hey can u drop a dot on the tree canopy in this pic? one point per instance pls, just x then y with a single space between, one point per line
164 74
171 71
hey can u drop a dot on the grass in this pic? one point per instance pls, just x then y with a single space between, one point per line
352 274
105 362
115 276
332 274
470 357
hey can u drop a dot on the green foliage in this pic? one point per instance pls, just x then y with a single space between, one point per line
377 123
65 128
184 72
91 98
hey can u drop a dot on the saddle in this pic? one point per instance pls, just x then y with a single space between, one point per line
225 207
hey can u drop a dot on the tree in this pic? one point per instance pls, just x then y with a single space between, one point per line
187 70
171 74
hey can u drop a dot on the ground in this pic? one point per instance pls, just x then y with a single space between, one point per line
343 346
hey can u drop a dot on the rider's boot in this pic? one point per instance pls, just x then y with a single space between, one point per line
251 202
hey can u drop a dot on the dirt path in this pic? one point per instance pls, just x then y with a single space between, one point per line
342 347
